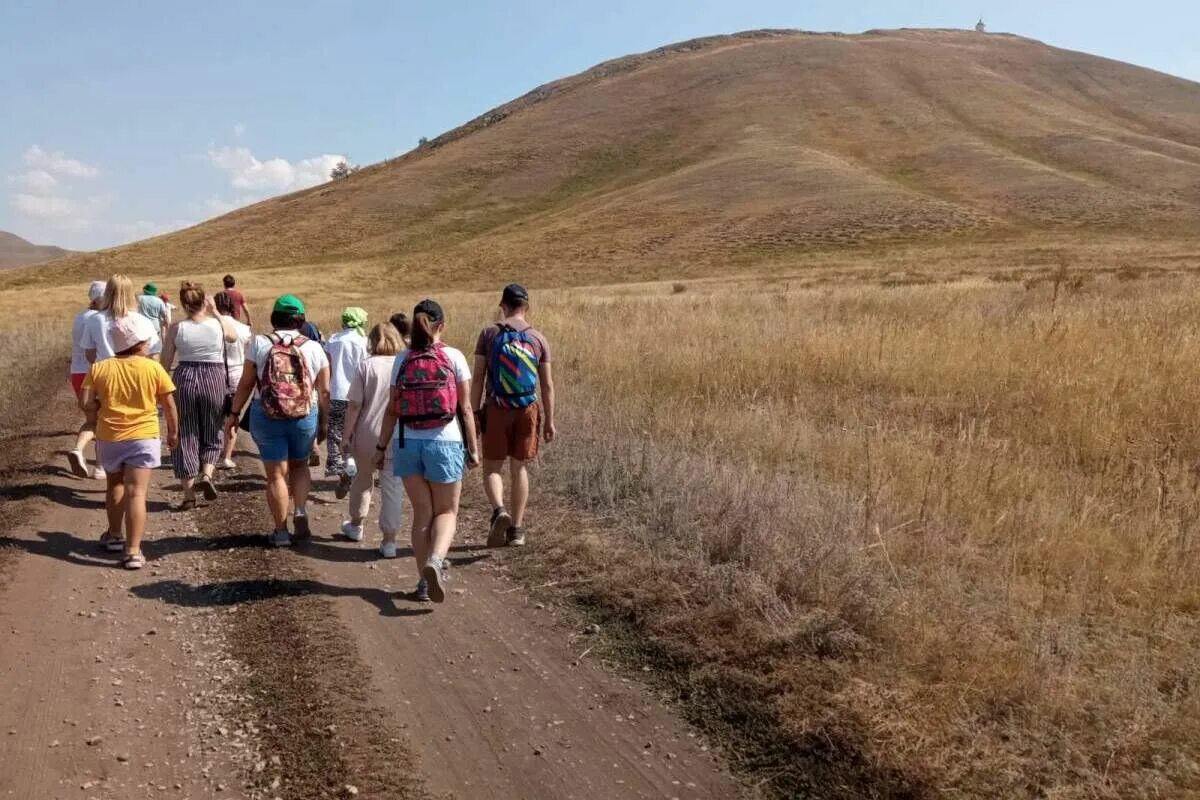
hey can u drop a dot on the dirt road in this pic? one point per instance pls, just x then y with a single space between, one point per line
228 670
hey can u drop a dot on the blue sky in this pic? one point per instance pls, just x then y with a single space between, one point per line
123 119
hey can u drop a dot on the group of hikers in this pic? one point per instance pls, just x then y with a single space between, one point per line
393 403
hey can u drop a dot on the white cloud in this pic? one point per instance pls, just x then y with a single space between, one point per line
238 129
58 163
273 176
35 180
44 207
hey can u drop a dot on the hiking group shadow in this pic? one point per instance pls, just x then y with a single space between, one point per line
72 549
232 593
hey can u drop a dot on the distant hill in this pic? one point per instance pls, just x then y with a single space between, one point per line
16 252
743 147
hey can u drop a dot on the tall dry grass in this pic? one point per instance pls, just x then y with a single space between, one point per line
967 513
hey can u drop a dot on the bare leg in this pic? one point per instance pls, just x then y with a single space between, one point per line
493 482
86 435
301 481
421 497
520 490
114 502
189 489
137 486
231 435
445 517
277 492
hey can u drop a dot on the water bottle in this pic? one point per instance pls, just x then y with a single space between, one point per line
351 467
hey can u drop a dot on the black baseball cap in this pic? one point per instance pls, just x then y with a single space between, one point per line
514 295
431 309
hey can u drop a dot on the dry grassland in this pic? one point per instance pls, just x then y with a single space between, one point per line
943 538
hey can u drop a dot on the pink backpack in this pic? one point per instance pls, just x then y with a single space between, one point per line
426 392
286 383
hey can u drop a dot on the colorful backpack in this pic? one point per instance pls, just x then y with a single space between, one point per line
286 383
513 368
426 392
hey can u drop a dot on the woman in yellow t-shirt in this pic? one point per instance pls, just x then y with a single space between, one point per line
124 392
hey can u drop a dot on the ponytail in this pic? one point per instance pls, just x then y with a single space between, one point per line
422 331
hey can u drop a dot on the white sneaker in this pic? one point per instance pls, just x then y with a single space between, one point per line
388 550
352 532
99 474
228 463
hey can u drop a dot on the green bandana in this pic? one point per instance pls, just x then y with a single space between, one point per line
356 318
289 304
150 289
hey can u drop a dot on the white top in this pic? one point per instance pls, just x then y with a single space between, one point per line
96 337
451 431
260 349
235 352
347 349
79 362
202 341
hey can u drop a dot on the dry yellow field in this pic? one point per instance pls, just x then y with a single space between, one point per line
948 528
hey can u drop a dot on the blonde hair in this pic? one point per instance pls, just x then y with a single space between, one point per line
385 340
192 296
119 297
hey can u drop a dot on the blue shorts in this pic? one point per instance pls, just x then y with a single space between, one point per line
282 439
436 462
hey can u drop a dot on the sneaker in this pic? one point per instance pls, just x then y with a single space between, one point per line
352 532
434 574
78 464
501 522
228 463
343 487
516 537
389 550
99 474
303 532
280 539
421 593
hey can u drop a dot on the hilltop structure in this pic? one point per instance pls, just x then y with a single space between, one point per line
980 27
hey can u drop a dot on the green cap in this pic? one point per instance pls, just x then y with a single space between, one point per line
289 304
150 289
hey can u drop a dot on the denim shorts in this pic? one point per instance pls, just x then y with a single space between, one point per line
282 439
435 461
114 457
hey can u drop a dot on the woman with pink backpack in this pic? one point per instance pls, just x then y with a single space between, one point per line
431 399
289 415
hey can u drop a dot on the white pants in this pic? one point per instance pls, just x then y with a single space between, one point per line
391 490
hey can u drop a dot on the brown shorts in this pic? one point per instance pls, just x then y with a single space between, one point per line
511 432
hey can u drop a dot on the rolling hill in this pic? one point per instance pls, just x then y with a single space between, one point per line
744 147
16 252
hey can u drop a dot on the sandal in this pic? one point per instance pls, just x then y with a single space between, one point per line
112 543
207 488
134 561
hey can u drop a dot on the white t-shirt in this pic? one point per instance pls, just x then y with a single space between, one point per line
199 342
79 362
450 432
260 350
235 352
96 336
347 349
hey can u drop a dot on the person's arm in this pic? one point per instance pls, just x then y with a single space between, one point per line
477 386
168 350
386 431
352 412
246 311
89 403
467 415
167 401
322 404
164 317
546 379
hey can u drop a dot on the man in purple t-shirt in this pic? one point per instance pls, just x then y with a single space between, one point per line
509 425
